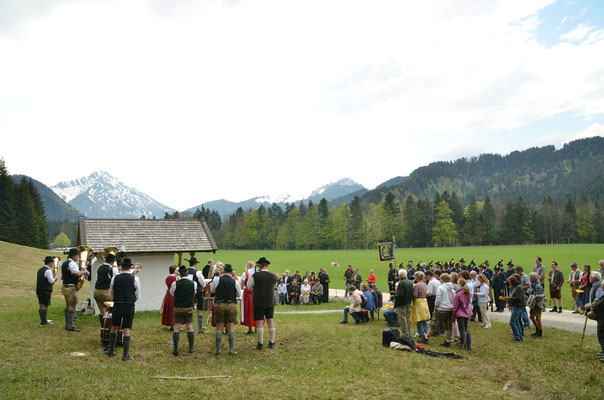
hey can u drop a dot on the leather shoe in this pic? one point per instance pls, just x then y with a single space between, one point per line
74 329
259 346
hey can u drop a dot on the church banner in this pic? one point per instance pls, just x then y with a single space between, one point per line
386 251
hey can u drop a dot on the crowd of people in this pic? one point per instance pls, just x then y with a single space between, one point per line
447 297
216 289
436 298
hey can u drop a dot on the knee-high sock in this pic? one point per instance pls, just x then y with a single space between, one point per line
42 315
175 338
126 345
218 341
70 318
231 336
112 340
260 332
271 335
66 318
191 337
200 322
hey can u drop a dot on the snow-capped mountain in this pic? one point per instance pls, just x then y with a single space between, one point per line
101 195
333 190
330 192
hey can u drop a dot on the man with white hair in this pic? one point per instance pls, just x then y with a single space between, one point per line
596 291
601 263
598 308
402 302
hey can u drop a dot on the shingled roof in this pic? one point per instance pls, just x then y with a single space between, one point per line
146 235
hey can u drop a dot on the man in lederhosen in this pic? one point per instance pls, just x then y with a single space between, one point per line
263 283
197 277
104 273
44 283
71 274
125 289
184 291
227 289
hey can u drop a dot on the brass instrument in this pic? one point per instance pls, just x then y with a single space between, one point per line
109 250
86 255
56 267
136 268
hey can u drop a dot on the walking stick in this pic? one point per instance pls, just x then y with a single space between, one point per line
583 336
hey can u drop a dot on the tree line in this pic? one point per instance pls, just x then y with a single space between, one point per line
22 214
416 222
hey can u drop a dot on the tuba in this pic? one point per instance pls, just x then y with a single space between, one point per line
86 255
109 250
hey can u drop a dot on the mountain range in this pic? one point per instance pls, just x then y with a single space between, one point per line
331 191
576 170
101 195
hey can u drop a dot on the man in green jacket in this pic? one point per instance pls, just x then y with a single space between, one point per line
402 302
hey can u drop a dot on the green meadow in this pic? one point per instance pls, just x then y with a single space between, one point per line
316 357
365 260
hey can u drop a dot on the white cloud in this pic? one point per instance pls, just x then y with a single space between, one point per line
578 33
558 139
227 99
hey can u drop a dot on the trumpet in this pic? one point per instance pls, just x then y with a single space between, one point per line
136 268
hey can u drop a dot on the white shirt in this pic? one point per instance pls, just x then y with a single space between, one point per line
137 284
173 287
200 278
433 285
305 288
215 282
48 275
483 295
572 273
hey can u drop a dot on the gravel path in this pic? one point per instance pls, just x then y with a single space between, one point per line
565 320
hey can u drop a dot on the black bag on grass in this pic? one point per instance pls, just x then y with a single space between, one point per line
389 335
406 340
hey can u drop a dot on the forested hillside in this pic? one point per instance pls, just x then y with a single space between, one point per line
575 171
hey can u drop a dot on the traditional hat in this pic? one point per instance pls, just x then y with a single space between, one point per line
262 261
121 254
73 252
229 267
182 270
110 257
462 260
127 263
193 261
48 259
511 263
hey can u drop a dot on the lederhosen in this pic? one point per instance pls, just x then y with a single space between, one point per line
70 281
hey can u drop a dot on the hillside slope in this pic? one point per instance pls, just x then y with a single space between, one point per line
575 170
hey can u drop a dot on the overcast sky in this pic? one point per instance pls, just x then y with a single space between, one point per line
192 101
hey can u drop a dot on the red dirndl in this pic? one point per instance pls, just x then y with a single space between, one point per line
167 306
248 308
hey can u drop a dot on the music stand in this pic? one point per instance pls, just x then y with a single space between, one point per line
336 265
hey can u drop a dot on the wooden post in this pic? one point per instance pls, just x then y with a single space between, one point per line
179 259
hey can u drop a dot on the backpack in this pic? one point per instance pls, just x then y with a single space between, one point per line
363 301
389 335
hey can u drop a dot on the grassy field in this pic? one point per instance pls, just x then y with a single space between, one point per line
316 356
365 260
